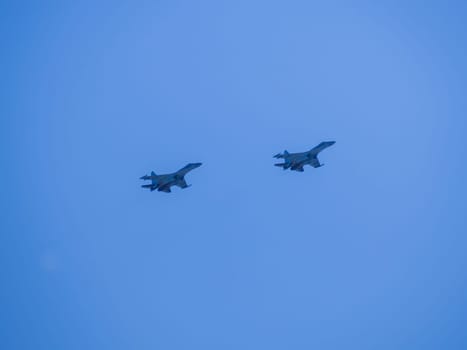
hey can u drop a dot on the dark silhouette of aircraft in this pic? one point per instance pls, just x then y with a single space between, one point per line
296 161
164 182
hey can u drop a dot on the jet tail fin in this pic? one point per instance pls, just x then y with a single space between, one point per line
153 173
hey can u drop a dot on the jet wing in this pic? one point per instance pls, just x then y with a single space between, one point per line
186 169
322 146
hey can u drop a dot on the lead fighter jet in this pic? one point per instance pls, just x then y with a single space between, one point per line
296 161
164 182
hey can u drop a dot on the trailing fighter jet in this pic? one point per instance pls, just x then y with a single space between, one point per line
164 182
296 161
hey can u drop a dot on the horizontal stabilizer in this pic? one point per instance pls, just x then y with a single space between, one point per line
151 187
281 155
282 165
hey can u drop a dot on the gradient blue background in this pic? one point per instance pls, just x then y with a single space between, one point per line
368 252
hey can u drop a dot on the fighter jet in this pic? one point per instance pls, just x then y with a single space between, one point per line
296 161
164 182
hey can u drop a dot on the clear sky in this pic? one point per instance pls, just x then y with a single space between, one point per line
367 252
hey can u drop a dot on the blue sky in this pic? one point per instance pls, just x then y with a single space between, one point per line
367 252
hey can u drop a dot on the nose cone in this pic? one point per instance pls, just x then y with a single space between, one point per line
195 165
330 143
